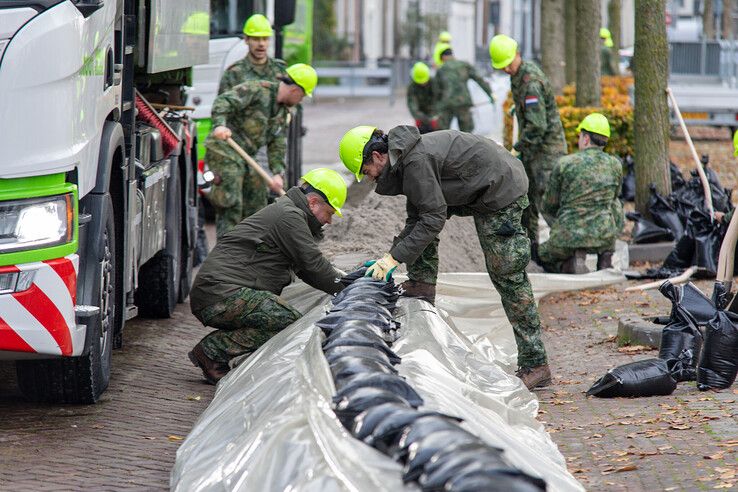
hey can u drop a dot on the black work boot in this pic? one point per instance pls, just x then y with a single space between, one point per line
421 290
604 260
575 263
212 370
535 377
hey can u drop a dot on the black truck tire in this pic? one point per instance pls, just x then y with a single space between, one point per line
158 280
82 379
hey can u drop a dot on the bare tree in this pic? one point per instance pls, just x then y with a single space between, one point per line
614 20
708 19
552 39
727 19
570 25
588 53
651 119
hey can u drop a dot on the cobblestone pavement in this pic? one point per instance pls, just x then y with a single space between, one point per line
126 441
685 441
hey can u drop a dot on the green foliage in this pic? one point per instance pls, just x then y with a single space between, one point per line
326 45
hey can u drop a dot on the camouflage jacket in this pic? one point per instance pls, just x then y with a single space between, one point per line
540 130
451 81
244 69
607 66
421 100
582 195
252 113
264 252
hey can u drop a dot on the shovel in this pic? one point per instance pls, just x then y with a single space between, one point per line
253 164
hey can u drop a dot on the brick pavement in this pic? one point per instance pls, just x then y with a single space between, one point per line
126 441
685 441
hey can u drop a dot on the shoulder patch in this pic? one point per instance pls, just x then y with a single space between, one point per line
531 101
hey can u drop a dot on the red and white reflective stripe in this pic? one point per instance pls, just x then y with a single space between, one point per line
41 319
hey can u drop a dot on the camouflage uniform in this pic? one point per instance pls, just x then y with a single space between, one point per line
453 94
245 69
448 173
237 290
540 135
420 102
582 195
607 66
252 113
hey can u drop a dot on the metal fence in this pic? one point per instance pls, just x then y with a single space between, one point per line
704 59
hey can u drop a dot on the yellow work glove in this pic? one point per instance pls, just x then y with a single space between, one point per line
382 268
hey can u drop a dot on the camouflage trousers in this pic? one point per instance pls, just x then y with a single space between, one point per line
463 117
538 170
245 320
240 193
554 252
506 252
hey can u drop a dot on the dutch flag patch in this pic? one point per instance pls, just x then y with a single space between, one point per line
531 100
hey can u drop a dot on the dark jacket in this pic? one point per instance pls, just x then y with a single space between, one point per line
443 170
264 252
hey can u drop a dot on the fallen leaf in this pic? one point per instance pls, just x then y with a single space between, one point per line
626 468
149 438
724 485
194 398
680 426
634 349
172 437
717 456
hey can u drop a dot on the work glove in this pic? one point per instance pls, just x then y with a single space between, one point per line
382 268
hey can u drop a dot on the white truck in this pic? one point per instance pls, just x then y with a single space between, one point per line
98 202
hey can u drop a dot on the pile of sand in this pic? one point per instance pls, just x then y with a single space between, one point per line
371 221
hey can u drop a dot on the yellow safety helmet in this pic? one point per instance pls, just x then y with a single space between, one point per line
735 143
444 37
502 50
197 24
595 123
351 148
258 26
421 73
304 76
331 184
440 48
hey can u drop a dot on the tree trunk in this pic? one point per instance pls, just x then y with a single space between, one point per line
552 39
614 19
708 19
651 119
727 19
588 53
570 24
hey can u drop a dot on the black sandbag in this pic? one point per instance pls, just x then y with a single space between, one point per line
352 277
493 481
677 179
421 452
366 422
348 366
360 399
365 341
372 353
390 382
627 192
648 377
334 320
664 214
718 364
359 296
366 306
387 433
678 259
708 236
646 231
358 331
420 429
692 300
681 339
444 467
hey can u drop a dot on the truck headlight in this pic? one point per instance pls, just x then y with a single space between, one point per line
36 222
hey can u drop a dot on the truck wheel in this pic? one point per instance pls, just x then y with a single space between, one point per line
80 379
158 280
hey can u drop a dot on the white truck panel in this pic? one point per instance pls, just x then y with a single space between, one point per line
206 78
174 31
52 102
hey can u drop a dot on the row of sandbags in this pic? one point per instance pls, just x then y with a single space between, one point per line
685 354
377 405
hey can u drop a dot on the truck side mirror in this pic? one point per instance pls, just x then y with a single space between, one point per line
87 7
284 12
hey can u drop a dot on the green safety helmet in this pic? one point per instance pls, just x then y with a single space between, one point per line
502 50
444 37
331 184
595 123
304 76
605 33
421 73
735 143
440 48
258 26
351 148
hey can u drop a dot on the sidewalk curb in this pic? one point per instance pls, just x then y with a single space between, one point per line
634 330
650 252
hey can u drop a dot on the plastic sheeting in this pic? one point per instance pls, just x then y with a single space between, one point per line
270 425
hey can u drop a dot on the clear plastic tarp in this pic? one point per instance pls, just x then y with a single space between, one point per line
270 426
